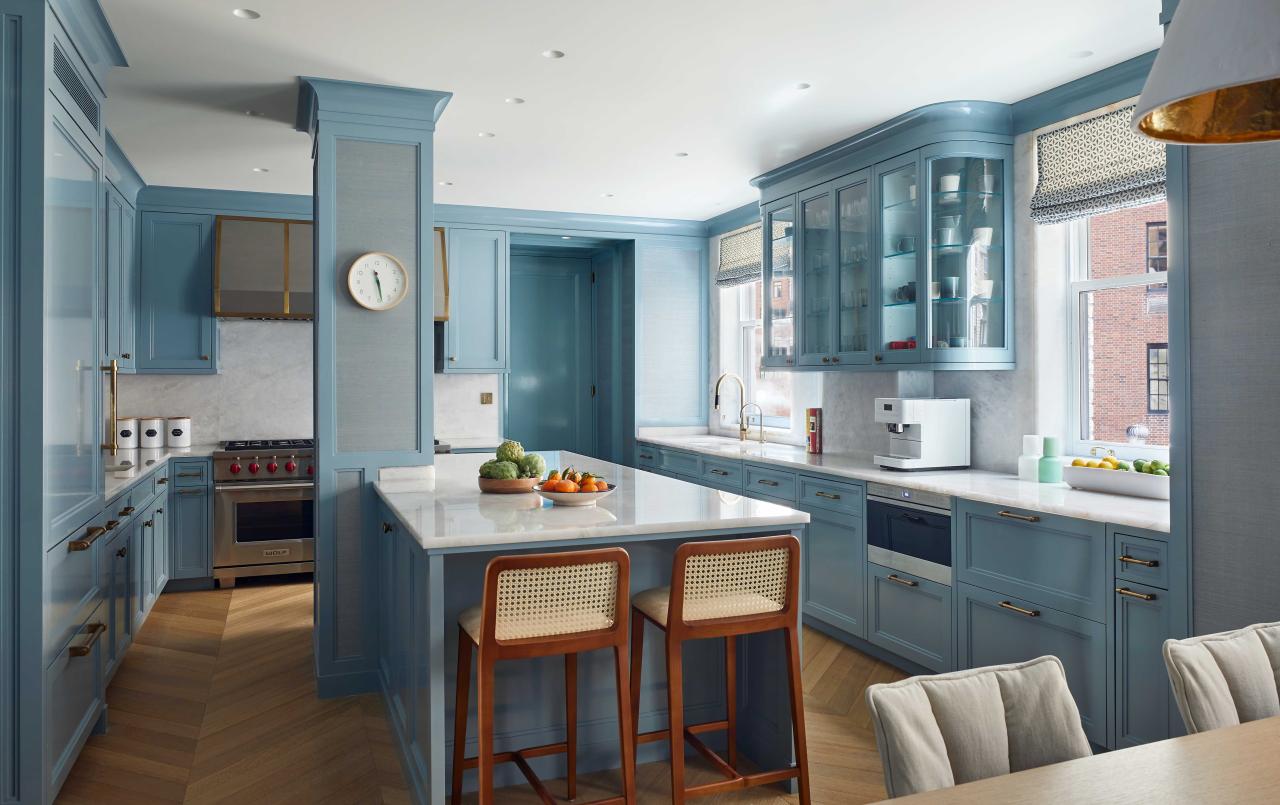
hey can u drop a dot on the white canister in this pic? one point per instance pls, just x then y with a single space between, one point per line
177 432
127 433
150 432
1029 461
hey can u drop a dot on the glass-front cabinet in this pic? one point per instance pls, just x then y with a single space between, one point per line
834 272
779 298
967 266
899 257
817 244
853 279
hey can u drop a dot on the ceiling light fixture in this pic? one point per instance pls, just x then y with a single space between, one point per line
682 154
485 134
553 54
1082 54
1216 78
515 101
803 85
262 170
246 14
606 195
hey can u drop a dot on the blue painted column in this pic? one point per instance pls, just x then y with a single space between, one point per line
373 370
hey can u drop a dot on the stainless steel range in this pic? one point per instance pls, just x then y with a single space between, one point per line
263 521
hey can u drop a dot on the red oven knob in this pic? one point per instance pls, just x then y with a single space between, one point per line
311 470
272 466
235 468
289 466
253 468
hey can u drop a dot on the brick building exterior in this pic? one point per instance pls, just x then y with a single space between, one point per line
1129 327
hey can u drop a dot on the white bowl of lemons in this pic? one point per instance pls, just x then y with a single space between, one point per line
1141 478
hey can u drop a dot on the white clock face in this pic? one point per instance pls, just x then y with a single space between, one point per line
378 281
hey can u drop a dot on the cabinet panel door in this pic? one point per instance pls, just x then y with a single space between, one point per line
816 278
190 549
1145 710
127 305
910 616
160 535
120 616
176 328
73 431
779 303
111 276
479 277
853 276
900 257
835 558
995 629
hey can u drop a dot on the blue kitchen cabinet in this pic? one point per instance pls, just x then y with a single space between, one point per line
910 616
1145 709
779 283
119 590
190 535
835 558
996 628
475 336
160 533
176 333
120 282
73 430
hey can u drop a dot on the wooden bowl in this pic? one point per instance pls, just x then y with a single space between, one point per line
513 486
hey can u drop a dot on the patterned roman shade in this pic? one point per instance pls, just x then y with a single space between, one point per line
1096 166
741 257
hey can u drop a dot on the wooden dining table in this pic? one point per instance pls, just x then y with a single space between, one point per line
1230 765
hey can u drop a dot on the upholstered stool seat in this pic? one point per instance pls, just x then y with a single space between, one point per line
1220 680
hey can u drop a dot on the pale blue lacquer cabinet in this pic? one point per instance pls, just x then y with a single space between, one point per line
192 513
475 336
120 284
835 556
177 332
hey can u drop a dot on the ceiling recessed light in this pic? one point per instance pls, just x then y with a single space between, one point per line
553 54
606 195
1082 54
803 85
566 237
446 184
515 101
682 154
485 134
246 14
262 170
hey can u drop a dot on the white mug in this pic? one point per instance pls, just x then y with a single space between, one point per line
982 235
949 182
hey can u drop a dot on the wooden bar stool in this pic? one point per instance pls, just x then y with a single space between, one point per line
539 605
723 589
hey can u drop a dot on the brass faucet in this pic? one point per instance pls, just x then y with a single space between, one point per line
742 397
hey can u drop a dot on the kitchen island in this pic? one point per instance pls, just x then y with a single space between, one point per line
437 534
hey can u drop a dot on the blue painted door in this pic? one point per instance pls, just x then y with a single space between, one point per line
119 285
189 530
815 276
910 616
900 256
476 332
549 390
176 329
120 614
1145 710
835 559
779 314
127 298
73 431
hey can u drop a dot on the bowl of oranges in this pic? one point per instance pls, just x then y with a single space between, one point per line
568 487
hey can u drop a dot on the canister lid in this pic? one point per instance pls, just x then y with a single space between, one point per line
1032 444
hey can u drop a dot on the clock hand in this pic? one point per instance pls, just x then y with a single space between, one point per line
378 282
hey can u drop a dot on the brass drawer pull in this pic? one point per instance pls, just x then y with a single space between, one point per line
827 495
159 511
111 525
1136 594
766 482
387 528
123 552
162 481
204 357
196 474
150 523
127 356
86 648
91 535
1127 559
190 491
1030 613
126 511
902 581
1026 518
646 456
718 472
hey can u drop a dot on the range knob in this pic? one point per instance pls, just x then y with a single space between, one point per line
311 470
289 466
235 468
272 466
253 468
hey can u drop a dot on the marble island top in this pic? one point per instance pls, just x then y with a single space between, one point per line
978 485
448 511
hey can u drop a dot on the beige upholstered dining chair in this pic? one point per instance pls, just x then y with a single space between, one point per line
939 731
1220 680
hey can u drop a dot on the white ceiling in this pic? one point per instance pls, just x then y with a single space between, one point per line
640 82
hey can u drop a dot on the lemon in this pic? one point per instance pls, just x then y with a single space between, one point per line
1094 464
1079 462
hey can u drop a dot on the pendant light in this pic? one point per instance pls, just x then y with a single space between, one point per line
1216 79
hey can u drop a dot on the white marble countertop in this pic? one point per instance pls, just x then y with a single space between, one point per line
128 466
471 442
449 511
977 485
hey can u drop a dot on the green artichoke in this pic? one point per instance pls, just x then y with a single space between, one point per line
510 451
500 470
532 465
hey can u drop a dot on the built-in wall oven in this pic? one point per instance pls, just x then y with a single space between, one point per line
264 515
910 531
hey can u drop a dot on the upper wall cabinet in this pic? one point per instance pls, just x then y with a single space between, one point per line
177 333
262 268
893 249
120 284
475 336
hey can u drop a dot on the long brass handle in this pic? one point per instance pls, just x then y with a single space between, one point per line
114 369
718 472
766 482
1030 613
1026 518
191 491
1136 594
646 457
126 511
387 528
827 495
91 535
190 474
1127 559
86 648
902 581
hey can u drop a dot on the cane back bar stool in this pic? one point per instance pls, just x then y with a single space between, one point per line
723 589
540 605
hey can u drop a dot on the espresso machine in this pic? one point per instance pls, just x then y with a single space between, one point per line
924 434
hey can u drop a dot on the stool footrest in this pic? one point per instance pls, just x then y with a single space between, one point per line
521 758
735 780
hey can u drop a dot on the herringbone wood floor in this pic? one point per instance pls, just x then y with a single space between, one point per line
215 702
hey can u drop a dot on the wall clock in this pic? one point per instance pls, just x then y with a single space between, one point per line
378 281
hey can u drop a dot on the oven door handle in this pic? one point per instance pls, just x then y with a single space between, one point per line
262 487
